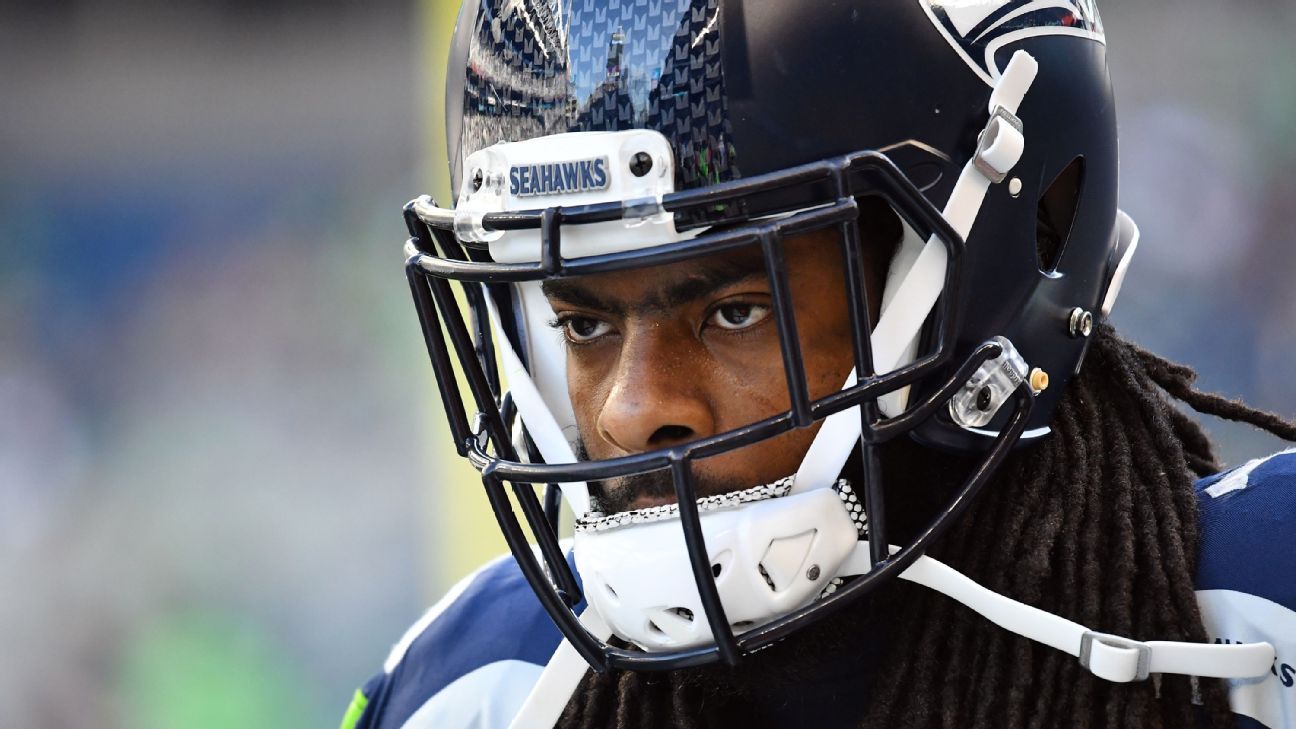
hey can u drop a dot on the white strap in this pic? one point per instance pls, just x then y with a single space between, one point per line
829 450
540 422
918 288
1107 656
1016 80
1238 660
922 284
559 680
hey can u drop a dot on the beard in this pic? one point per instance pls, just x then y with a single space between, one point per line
614 495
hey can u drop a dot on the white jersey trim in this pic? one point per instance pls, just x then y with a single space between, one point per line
1239 478
1239 617
487 698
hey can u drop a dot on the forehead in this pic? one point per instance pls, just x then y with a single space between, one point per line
675 284
660 287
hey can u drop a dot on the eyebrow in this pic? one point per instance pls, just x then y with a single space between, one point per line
694 285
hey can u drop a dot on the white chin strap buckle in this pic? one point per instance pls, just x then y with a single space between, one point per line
1000 145
1110 660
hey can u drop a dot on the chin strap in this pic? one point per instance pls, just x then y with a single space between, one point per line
1109 657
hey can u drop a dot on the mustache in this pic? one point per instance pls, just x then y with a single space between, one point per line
614 495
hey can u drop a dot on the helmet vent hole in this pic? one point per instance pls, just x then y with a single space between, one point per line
1056 214
715 570
683 612
611 593
652 627
742 625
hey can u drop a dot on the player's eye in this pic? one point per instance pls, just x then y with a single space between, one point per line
738 315
581 329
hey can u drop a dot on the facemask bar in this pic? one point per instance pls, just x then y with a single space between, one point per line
490 450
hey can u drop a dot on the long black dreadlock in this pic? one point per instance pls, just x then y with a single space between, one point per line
1098 523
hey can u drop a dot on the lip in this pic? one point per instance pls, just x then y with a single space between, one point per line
645 502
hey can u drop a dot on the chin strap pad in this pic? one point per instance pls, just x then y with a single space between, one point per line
537 416
1109 657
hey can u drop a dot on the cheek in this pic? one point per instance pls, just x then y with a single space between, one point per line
750 383
755 387
588 385
827 344
755 390
760 463
828 364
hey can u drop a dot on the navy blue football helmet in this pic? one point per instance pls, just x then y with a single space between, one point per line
598 136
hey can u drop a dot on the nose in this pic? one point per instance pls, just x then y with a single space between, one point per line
658 397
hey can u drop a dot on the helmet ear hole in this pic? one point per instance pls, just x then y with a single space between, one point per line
1055 215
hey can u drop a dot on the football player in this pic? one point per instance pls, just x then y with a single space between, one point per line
801 308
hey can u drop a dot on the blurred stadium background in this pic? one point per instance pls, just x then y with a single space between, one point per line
223 492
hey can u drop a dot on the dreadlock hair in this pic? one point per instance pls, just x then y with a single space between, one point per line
1097 523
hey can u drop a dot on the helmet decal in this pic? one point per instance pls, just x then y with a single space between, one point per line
979 29
556 178
545 67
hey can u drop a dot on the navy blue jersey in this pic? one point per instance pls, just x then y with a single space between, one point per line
473 658
1246 579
